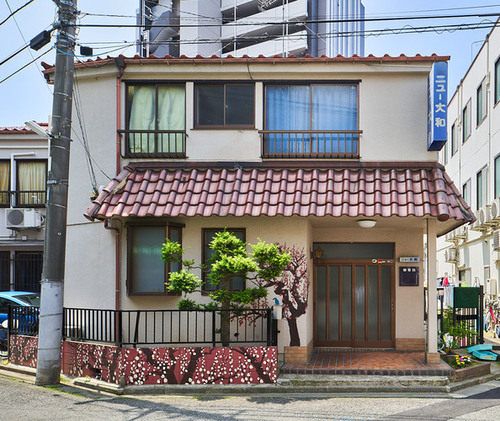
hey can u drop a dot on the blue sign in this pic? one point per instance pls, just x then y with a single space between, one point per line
437 129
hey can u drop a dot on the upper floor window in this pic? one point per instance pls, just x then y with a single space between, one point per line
30 184
156 120
466 122
225 105
454 143
482 187
147 272
235 284
481 103
316 120
466 191
497 81
497 176
445 153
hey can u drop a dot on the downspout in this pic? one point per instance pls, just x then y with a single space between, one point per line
117 262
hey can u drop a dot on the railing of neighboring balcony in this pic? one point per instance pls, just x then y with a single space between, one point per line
154 143
23 199
310 143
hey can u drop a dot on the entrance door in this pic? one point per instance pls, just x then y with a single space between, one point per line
354 303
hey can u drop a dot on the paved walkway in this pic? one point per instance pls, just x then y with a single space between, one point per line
368 362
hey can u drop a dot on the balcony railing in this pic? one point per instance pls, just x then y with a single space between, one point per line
154 143
23 199
310 143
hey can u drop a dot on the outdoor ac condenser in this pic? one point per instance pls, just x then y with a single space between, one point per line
23 219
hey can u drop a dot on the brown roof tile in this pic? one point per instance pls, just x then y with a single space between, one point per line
143 190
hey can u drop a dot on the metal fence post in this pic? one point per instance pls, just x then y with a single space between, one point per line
481 316
270 335
213 328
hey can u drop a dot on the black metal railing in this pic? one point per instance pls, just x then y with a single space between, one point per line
170 327
23 320
154 143
23 198
310 143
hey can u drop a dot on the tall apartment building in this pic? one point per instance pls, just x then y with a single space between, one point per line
470 254
251 27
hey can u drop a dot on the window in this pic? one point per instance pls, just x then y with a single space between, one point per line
481 103
156 120
445 153
497 81
4 270
482 187
310 118
225 105
147 272
208 235
4 183
497 176
27 270
454 143
466 191
31 183
466 123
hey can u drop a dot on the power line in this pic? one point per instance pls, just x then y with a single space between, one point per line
14 54
12 13
26 65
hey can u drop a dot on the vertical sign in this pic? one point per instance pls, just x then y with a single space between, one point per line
437 106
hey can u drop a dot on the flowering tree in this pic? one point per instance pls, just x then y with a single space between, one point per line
293 288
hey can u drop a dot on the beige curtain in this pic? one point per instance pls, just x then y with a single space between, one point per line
171 116
142 117
4 182
31 182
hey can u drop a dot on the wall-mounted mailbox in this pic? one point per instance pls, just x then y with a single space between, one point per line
408 276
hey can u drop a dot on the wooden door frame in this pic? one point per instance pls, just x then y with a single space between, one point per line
353 343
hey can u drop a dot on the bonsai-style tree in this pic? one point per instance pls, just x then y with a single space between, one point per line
229 260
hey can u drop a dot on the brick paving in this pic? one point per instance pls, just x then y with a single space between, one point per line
367 362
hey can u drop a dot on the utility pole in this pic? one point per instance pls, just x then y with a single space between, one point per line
51 309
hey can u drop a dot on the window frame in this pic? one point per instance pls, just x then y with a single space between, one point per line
17 202
496 169
482 175
7 204
130 283
497 84
310 84
484 103
466 130
224 126
454 143
204 247
467 187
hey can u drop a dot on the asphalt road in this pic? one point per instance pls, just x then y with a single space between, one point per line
24 401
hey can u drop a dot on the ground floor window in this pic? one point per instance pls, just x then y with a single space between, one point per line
21 270
147 272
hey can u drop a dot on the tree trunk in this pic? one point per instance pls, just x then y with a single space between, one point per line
294 332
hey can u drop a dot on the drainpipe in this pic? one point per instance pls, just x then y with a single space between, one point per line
13 170
117 262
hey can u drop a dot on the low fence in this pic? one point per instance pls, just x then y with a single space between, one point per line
156 327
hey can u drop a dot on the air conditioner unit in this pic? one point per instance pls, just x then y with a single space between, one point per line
491 287
450 237
485 215
496 240
461 232
478 225
451 255
23 219
495 210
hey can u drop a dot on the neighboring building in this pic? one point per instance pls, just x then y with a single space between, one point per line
470 255
252 27
23 173
290 150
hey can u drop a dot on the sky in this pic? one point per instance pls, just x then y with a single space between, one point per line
26 96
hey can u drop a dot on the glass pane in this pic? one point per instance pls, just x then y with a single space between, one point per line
4 270
148 269
346 302
210 105
360 302
385 307
497 177
321 303
28 271
4 182
31 182
333 310
373 302
356 251
141 106
174 234
240 104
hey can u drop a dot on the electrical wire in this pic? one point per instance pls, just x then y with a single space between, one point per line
12 13
26 65
14 54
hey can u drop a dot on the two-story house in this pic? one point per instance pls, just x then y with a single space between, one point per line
326 155
23 173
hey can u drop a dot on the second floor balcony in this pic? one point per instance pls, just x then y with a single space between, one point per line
23 199
154 143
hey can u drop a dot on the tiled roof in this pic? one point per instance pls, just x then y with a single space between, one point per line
98 62
20 129
421 190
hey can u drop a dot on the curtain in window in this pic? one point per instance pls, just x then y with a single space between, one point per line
171 116
335 107
142 117
288 108
4 182
31 182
